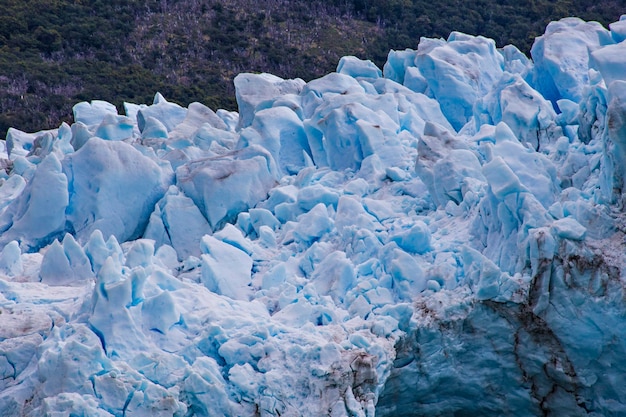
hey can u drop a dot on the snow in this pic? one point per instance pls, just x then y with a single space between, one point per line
441 237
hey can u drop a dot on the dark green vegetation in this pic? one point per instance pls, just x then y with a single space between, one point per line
54 53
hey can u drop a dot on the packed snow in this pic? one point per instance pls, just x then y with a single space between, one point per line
440 237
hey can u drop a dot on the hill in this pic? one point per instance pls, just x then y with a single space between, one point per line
54 54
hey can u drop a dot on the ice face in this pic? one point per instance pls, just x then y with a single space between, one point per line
355 67
444 239
224 186
176 221
37 216
280 131
168 114
113 188
458 72
561 57
258 91
525 111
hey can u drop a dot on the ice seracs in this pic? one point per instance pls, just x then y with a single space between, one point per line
441 237
561 57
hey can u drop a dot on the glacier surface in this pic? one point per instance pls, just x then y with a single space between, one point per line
442 237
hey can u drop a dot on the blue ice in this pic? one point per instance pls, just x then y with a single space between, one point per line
442 236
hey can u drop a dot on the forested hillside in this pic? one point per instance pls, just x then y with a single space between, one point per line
54 53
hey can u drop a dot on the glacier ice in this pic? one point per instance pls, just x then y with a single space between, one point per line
458 71
561 57
442 237
176 221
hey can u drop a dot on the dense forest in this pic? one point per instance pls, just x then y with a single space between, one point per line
55 53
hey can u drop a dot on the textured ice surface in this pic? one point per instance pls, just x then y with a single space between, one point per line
561 57
446 239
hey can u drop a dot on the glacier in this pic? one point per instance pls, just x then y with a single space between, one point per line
442 237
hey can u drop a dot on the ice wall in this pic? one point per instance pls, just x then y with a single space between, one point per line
443 237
